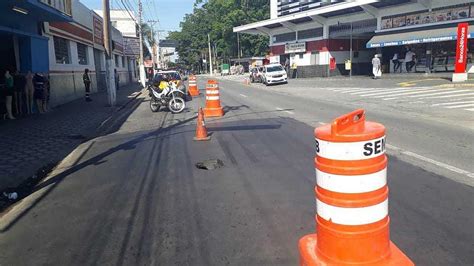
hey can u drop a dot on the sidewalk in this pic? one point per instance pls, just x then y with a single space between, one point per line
29 143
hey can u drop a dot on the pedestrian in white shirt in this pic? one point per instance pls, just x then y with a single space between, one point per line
396 63
409 60
376 67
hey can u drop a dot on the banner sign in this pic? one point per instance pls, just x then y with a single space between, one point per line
461 48
295 48
416 41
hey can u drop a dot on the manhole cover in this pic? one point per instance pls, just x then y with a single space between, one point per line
210 164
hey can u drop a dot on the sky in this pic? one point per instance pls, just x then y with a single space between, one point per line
168 12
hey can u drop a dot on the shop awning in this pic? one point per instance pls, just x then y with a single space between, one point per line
422 36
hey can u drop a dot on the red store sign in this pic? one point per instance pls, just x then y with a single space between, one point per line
461 48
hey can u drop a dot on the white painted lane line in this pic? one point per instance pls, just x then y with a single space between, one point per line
286 111
460 106
470 109
451 103
441 93
243 95
449 96
322 123
428 160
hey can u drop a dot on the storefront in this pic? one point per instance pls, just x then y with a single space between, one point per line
430 35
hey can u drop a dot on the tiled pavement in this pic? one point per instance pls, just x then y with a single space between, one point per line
29 143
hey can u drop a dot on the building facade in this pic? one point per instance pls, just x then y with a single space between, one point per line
23 47
77 45
321 36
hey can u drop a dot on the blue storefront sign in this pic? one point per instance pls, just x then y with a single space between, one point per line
398 40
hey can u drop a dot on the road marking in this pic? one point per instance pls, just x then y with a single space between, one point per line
441 93
243 95
322 123
428 160
286 111
470 109
387 93
395 96
414 82
460 106
451 103
449 96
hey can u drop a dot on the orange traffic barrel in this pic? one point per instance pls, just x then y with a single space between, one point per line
193 88
213 102
351 197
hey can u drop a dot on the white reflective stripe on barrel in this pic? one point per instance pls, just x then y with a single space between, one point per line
348 151
212 98
351 183
352 216
212 91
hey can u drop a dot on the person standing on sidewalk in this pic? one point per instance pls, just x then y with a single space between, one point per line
87 84
117 79
39 94
409 60
376 67
9 91
396 63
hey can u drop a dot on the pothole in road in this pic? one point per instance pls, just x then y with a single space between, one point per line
211 164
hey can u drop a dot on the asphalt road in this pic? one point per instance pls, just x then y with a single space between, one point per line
134 197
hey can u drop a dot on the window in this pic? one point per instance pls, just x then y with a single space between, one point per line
117 62
301 56
82 53
61 50
123 61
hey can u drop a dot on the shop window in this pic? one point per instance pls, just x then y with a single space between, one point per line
311 33
61 50
82 54
285 37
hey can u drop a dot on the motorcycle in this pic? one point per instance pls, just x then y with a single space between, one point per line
171 96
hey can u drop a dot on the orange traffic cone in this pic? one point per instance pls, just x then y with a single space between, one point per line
201 131
213 103
193 88
351 197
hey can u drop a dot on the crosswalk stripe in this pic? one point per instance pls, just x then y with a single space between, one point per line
451 103
395 96
445 92
470 109
460 106
449 96
377 90
391 92
350 89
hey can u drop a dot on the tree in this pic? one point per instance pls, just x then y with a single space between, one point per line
217 18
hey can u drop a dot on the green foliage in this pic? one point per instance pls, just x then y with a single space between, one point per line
217 18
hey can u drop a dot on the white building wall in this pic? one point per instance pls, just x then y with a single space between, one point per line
273 9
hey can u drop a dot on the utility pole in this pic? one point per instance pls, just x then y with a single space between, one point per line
152 26
238 45
350 70
140 35
109 73
210 53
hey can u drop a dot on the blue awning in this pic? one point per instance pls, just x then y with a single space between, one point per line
422 36
34 9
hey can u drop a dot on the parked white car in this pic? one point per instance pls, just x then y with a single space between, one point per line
274 74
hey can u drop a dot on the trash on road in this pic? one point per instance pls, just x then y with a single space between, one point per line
210 164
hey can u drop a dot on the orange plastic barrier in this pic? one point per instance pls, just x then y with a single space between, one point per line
213 103
201 130
193 88
351 197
